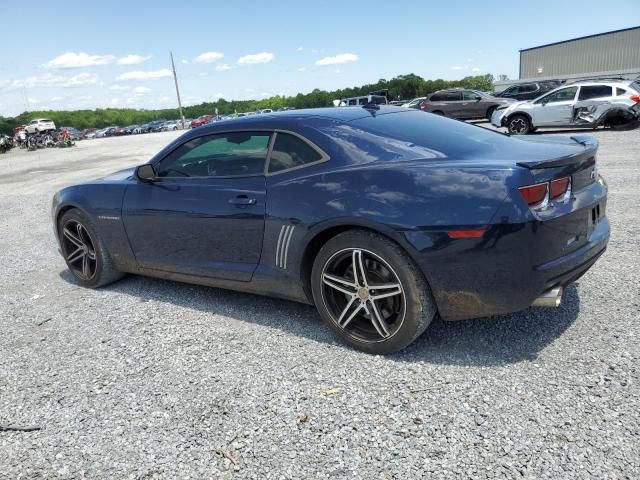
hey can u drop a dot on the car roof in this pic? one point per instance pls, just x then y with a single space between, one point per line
343 114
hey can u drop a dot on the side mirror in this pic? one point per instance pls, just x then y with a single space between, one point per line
478 98
146 173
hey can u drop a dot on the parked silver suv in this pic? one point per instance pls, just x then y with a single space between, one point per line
586 104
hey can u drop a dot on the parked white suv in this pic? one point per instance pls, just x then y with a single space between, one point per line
586 104
40 125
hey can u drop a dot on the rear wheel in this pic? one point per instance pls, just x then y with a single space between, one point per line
84 251
370 292
519 125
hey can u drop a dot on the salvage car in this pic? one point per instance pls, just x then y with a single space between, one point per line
378 216
589 104
462 104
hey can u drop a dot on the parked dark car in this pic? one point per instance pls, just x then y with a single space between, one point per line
128 130
528 91
462 104
155 126
379 216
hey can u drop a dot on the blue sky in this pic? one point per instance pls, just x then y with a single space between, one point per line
99 54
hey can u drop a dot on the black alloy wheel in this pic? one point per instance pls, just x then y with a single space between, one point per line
84 252
79 250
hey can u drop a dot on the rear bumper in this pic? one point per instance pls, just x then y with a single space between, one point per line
499 273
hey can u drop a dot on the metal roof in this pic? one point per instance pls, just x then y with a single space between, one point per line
580 38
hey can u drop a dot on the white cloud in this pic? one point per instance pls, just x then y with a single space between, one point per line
152 75
132 60
119 88
78 60
457 67
475 69
223 66
56 99
141 90
341 58
338 71
184 61
33 100
208 57
49 80
263 57
300 49
302 69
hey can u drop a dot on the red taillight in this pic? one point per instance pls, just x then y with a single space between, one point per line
467 233
635 98
559 187
534 194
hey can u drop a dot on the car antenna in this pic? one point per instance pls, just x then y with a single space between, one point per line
371 106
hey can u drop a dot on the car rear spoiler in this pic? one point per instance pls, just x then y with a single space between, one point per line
590 145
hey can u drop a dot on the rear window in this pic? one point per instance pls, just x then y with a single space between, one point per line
595 91
416 134
636 86
45 120
620 91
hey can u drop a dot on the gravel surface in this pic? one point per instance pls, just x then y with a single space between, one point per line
154 379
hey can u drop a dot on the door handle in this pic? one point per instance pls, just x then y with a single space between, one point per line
242 201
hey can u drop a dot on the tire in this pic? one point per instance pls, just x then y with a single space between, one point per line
519 125
490 112
93 267
373 325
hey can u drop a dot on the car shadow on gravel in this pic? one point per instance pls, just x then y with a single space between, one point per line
490 341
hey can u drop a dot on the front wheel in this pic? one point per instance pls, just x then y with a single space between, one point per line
519 125
84 252
370 292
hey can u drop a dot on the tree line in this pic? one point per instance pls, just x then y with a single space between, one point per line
402 87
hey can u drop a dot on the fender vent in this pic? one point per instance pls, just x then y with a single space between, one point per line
282 248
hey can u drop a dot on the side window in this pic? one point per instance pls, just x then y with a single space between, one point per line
528 88
469 95
290 151
620 91
363 101
563 95
227 154
353 101
594 91
446 97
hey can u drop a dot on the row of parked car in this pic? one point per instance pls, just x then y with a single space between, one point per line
523 108
205 119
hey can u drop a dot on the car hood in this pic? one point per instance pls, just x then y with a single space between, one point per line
120 175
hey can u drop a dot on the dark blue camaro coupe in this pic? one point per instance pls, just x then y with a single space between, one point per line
379 216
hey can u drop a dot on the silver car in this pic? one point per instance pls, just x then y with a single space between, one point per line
587 104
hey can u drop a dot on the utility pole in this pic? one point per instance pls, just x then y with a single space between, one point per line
175 79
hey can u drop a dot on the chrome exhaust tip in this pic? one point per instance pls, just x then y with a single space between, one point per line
550 298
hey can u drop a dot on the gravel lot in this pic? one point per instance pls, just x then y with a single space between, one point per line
153 379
